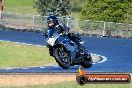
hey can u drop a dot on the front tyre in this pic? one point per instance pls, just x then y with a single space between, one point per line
62 57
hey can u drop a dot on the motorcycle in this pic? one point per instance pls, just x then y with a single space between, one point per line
66 52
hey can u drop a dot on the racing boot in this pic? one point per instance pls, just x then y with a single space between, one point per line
82 50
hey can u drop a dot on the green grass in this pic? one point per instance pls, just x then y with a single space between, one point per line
75 85
20 6
19 55
26 7
76 15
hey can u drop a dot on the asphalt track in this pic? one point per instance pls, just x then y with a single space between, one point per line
117 50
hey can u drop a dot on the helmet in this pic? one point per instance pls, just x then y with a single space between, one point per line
52 19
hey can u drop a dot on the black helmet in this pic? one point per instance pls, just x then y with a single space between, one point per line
52 19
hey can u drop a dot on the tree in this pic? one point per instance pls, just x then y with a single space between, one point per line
106 10
53 7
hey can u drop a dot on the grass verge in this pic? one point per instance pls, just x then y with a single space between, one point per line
20 6
20 55
25 7
73 84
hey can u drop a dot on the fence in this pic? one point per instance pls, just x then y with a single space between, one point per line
21 21
103 28
37 22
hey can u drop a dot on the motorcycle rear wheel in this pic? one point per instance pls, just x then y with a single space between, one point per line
87 63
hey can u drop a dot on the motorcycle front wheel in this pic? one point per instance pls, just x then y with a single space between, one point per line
62 57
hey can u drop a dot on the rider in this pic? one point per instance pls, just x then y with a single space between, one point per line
53 26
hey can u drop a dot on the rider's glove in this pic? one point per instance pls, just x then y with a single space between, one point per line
45 34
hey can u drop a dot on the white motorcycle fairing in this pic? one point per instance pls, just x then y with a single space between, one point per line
52 40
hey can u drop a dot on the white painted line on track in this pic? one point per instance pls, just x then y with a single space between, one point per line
42 67
8 69
103 57
56 66
22 43
24 68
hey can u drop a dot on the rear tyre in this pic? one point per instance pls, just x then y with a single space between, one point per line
87 63
62 57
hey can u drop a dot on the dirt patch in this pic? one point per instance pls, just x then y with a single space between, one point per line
24 80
